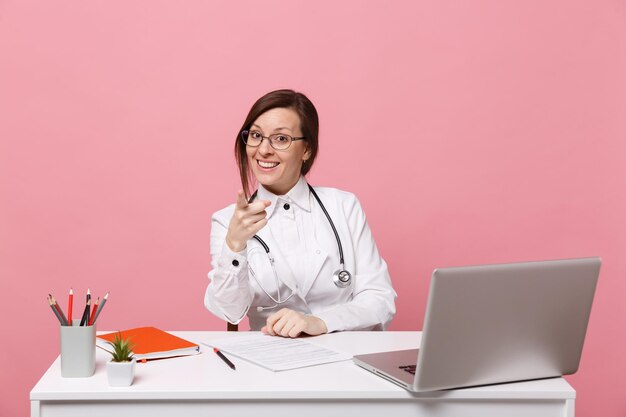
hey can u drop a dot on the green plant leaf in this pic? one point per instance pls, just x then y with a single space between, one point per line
122 349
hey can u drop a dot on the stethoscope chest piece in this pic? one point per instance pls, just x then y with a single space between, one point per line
342 278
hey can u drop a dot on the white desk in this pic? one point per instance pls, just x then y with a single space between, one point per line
203 385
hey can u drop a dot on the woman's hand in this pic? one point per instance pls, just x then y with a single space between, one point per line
290 323
247 220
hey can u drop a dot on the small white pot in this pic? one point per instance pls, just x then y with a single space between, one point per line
121 374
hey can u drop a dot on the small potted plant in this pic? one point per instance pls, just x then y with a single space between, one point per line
121 367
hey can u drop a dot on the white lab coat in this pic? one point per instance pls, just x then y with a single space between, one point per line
306 255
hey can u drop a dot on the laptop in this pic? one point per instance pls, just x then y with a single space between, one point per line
496 323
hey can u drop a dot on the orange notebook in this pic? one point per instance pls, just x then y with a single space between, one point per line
151 343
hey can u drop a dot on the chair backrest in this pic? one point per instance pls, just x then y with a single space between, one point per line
232 327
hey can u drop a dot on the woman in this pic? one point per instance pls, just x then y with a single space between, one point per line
275 255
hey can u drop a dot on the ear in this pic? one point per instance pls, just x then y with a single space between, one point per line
307 154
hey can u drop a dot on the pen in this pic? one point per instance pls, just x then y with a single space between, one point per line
224 358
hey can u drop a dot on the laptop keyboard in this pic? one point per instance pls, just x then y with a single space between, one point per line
408 368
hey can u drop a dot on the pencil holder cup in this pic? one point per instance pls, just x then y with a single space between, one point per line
78 350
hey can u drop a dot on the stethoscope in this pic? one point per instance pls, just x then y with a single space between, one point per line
341 277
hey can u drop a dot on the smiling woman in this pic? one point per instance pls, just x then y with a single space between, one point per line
309 228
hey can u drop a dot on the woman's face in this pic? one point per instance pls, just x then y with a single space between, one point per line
277 170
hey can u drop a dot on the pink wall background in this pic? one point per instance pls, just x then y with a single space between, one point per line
472 131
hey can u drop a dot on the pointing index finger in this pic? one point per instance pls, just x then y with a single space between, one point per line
241 199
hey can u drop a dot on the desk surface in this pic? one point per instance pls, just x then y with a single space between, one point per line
205 377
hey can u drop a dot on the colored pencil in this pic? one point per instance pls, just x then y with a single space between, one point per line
92 317
58 309
85 317
70 305
54 310
104 301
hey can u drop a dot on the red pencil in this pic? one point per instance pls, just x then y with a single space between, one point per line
93 312
70 304
104 301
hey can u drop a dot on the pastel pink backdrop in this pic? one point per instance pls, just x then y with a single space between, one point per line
472 132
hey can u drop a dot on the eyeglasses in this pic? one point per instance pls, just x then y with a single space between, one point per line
278 141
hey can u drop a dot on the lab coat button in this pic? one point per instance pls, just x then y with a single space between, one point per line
317 251
235 262
286 206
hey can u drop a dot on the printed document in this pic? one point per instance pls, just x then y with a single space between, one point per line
276 353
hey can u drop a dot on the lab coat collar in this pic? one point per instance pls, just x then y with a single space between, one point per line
298 195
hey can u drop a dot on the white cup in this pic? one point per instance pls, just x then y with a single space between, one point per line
78 350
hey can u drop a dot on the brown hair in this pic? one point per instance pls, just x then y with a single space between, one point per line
309 124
